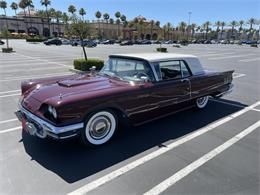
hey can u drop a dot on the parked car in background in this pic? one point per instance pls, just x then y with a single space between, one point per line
131 88
250 42
54 41
107 42
65 41
129 42
85 42
224 42
146 42
156 42
2 42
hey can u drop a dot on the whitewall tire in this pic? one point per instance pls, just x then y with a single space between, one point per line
99 128
202 102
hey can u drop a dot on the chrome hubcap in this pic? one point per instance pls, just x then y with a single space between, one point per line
100 127
202 100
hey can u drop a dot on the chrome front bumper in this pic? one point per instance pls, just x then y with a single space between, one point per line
41 128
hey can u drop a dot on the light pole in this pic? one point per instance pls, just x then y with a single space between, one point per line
189 27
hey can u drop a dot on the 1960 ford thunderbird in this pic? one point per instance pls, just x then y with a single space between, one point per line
133 88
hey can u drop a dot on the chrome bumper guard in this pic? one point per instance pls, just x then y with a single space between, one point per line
41 128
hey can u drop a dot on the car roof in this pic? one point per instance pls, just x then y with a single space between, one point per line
152 57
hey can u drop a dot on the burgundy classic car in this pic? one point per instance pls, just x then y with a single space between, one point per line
133 88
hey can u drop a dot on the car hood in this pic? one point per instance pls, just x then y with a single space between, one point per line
72 86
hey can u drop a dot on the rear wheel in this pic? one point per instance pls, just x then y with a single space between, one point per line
202 102
99 128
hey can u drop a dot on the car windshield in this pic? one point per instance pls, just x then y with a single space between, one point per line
127 69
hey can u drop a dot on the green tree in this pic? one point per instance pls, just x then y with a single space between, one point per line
72 9
111 21
82 30
182 27
82 12
22 5
3 5
217 24
98 15
193 27
29 5
14 6
47 3
206 26
223 24
152 26
233 24
58 17
106 18
251 22
118 15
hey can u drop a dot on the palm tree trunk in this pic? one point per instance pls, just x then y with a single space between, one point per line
6 23
17 24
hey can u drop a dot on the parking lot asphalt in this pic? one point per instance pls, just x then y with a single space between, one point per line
213 151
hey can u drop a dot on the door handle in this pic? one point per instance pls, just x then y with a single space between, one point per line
184 80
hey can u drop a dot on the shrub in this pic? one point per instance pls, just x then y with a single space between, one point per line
254 45
83 65
35 39
162 49
7 50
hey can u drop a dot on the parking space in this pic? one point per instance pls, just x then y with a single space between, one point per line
214 151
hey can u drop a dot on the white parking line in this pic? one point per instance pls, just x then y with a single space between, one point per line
10 95
123 170
31 69
198 163
8 121
238 75
4 92
217 54
250 60
235 56
35 76
10 130
43 60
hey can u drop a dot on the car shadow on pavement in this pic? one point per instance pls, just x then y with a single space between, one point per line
73 162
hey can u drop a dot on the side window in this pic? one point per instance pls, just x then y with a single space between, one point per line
170 70
184 70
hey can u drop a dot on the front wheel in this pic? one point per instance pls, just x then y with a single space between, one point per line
202 102
99 128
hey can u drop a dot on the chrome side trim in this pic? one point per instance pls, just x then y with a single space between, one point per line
49 127
231 87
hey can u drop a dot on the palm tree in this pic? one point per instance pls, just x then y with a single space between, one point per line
168 27
82 12
241 23
251 22
98 15
157 23
193 26
65 19
14 7
52 15
46 3
217 24
29 5
223 24
182 27
233 24
72 9
106 18
206 27
3 5
58 16
111 21
118 15
123 19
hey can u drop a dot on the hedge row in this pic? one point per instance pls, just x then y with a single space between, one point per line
83 65
162 49
7 50
35 39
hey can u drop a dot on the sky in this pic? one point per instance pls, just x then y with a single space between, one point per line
173 11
